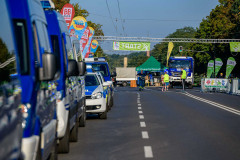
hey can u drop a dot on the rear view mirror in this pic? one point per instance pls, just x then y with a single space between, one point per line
105 84
109 83
49 68
72 68
81 68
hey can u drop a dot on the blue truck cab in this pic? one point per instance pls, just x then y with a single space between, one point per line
175 65
36 76
71 110
10 88
100 65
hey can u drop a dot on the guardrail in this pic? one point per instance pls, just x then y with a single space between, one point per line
231 86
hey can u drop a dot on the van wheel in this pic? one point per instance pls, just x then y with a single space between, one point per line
54 155
103 115
74 132
63 146
124 84
82 120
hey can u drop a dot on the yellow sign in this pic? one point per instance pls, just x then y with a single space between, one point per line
170 48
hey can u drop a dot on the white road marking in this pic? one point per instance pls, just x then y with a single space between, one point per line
214 104
139 107
148 152
142 124
145 135
141 116
139 104
140 112
138 101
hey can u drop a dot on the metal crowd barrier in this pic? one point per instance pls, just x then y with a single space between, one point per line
231 86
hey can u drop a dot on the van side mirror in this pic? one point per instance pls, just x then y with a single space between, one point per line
72 68
82 68
49 67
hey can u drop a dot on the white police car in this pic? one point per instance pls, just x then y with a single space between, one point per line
96 95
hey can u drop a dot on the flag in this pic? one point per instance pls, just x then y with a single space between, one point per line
218 65
78 26
94 46
170 48
87 48
230 65
68 13
210 68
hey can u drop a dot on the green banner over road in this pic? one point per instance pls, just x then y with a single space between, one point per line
235 46
230 65
131 46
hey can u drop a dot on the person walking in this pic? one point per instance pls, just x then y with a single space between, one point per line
141 80
183 77
166 81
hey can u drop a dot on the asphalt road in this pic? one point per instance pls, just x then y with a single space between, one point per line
159 125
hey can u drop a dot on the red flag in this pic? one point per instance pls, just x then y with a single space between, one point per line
68 13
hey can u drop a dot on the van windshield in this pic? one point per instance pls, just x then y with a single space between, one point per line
103 68
91 80
186 64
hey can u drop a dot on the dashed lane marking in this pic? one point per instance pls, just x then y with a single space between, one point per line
140 108
140 112
142 124
141 116
145 135
148 152
139 104
214 104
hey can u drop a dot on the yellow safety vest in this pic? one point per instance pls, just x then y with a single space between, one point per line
166 78
184 74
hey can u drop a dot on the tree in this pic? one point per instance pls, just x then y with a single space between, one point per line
160 50
222 23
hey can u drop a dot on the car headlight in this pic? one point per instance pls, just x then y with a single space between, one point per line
96 95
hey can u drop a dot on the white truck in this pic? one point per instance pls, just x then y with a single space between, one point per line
125 75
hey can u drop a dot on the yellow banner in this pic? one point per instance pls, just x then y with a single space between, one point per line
170 48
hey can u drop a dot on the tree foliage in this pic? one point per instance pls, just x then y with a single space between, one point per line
222 23
160 50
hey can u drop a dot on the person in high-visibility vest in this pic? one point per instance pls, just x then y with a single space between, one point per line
183 78
166 81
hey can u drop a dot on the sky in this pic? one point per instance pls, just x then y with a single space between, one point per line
146 18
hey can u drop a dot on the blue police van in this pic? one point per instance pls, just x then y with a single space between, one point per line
10 88
71 111
38 70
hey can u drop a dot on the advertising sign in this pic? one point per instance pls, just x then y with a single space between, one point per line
87 49
215 83
235 46
78 26
230 65
210 68
84 41
94 46
218 65
131 46
68 13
